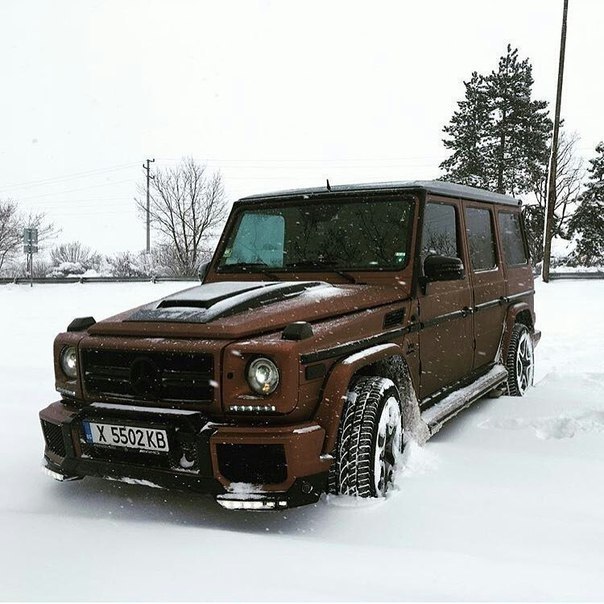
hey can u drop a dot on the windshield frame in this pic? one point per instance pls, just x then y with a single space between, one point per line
266 204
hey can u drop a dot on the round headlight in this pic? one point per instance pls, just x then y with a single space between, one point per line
69 361
263 376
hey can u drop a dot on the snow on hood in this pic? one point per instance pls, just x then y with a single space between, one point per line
237 309
213 301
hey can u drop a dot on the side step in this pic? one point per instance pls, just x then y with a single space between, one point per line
452 404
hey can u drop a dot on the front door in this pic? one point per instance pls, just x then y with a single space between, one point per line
446 338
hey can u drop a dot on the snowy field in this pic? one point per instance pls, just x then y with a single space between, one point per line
505 503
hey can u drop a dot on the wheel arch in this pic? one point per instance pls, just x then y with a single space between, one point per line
386 361
517 313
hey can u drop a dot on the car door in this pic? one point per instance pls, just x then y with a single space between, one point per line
445 339
487 280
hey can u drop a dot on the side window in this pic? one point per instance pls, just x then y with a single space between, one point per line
439 234
480 238
511 238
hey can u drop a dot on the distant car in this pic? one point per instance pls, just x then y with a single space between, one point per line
331 326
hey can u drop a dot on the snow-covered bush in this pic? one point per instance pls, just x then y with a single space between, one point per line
73 259
67 269
128 264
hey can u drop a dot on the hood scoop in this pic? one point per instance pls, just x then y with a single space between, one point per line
206 296
213 301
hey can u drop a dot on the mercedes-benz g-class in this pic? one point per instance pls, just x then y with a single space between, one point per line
331 326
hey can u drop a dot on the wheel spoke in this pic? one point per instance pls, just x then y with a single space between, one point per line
389 457
387 439
524 362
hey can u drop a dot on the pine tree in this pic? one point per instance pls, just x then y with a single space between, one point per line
499 135
468 130
588 220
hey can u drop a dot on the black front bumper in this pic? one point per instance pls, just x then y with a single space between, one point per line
71 468
189 466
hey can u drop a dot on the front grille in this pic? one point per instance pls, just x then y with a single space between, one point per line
256 464
166 376
53 435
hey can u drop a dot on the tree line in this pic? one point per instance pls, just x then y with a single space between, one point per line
187 209
499 138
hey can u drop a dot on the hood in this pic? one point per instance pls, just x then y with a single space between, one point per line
231 309
214 301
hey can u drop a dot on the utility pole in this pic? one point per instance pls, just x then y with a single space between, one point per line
553 163
147 168
30 247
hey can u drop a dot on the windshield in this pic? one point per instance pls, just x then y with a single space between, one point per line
364 234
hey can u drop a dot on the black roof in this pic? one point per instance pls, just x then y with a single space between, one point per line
437 187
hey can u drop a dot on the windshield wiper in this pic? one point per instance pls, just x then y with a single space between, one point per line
328 266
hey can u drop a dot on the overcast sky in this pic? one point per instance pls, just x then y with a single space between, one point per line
274 94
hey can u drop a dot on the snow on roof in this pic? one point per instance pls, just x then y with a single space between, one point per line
438 187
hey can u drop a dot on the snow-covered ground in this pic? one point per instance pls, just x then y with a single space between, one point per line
505 503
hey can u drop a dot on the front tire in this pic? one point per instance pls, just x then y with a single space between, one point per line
520 360
370 439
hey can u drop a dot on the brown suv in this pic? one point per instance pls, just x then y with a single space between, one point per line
332 325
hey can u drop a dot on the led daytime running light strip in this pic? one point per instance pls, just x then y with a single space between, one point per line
238 504
252 408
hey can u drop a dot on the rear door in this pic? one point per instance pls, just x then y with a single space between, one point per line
487 280
518 272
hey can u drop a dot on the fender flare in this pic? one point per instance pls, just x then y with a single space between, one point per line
334 393
510 319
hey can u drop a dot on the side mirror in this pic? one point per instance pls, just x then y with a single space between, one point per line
203 270
443 268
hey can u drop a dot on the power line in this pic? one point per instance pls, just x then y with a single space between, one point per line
73 176
308 159
379 164
104 184
92 204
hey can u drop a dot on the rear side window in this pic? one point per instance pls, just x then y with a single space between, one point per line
439 234
480 238
511 238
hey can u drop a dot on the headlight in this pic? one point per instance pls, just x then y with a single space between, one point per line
69 361
263 376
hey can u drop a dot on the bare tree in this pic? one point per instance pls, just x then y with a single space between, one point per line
569 177
47 231
10 230
186 204
12 223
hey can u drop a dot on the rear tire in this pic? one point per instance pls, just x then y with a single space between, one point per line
520 360
370 440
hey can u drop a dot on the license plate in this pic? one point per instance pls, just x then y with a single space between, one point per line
130 437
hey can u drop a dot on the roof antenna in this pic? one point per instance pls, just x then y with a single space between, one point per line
328 185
